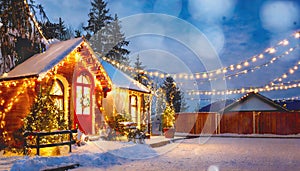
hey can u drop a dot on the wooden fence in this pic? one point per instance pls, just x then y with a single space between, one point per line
39 135
281 123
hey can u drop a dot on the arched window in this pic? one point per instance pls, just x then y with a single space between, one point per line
83 94
57 94
133 107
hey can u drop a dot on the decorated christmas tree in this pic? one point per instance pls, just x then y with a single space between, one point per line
44 115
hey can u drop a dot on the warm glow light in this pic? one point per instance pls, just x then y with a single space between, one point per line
297 35
284 76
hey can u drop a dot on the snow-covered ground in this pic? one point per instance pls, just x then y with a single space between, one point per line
212 154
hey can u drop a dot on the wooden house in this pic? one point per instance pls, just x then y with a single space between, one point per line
78 84
128 97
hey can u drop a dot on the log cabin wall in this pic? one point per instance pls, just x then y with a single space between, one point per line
16 98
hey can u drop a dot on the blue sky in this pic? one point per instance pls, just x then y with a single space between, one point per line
236 30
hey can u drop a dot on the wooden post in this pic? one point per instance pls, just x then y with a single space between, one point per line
38 144
70 143
253 124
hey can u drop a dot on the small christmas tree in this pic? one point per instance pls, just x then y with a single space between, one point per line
44 115
168 117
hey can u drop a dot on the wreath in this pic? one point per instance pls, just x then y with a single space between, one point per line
85 101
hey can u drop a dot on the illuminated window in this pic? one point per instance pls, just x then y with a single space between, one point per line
83 95
133 108
57 94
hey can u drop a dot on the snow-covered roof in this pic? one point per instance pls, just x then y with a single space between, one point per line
43 62
121 80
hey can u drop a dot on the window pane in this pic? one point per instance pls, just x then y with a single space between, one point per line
85 80
86 100
59 103
56 89
79 79
78 100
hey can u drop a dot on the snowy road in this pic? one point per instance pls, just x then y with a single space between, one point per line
215 154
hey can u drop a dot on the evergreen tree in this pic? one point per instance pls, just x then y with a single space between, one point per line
44 115
117 40
173 94
141 77
104 33
109 41
78 33
19 38
56 30
160 101
184 106
98 17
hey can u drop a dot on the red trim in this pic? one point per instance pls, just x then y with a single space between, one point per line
77 124
87 126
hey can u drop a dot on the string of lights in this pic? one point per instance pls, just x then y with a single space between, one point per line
211 74
283 86
288 98
266 64
36 24
285 75
9 103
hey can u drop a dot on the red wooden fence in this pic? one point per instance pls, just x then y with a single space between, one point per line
282 123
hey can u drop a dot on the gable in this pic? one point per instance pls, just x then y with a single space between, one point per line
253 104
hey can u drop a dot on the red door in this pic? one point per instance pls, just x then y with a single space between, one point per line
83 101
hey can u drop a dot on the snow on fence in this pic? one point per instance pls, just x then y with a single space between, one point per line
280 123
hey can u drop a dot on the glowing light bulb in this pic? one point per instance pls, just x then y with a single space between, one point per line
284 76
254 59
297 35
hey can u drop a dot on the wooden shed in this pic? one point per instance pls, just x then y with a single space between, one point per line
78 84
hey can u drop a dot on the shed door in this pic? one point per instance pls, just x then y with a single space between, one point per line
84 102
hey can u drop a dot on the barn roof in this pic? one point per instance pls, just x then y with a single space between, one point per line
43 62
253 102
121 80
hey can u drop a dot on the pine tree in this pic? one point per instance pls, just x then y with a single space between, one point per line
173 94
141 77
98 17
19 38
118 52
184 106
104 33
168 117
56 30
109 41
44 115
